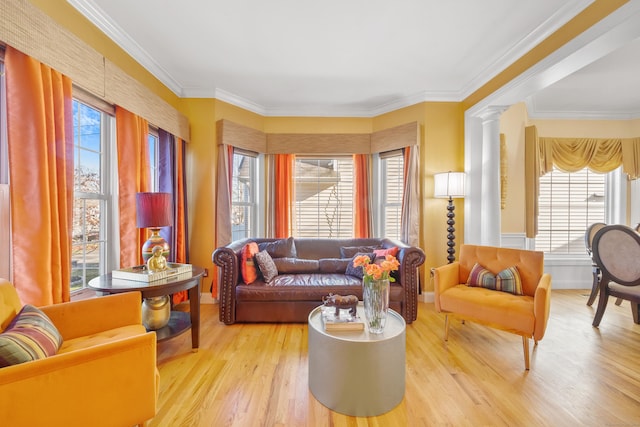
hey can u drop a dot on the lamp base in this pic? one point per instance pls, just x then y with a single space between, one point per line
451 237
154 240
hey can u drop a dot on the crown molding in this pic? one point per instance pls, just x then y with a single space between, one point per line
563 15
533 112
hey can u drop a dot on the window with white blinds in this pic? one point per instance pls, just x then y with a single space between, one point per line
243 195
392 185
324 197
568 203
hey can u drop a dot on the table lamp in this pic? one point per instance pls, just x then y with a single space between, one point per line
154 211
451 185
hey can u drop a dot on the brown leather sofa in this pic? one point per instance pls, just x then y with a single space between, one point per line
291 296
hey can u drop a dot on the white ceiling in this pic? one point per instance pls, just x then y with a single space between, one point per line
355 57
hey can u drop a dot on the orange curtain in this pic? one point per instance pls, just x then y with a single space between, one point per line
40 139
361 220
284 170
180 248
133 177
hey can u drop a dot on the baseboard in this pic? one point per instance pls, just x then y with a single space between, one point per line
427 297
207 298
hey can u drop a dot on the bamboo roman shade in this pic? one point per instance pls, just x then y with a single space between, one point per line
240 136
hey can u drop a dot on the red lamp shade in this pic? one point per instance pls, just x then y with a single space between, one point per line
154 210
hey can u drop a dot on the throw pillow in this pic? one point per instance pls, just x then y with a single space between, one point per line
351 251
267 266
508 280
481 277
247 264
283 248
358 271
30 336
388 251
296 265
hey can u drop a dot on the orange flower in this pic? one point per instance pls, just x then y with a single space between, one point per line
379 270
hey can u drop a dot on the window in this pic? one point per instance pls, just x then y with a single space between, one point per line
324 197
153 158
391 178
568 203
243 195
92 133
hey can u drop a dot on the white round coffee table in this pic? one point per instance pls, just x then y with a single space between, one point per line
354 372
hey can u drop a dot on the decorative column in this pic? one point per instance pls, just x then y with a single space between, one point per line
490 200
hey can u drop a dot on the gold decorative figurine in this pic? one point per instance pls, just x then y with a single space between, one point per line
157 262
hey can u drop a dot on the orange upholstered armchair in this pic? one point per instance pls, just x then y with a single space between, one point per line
525 314
103 373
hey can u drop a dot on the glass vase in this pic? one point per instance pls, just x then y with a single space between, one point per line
375 294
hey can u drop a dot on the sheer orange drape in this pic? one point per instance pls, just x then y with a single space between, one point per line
361 196
40 139
133 177
284 202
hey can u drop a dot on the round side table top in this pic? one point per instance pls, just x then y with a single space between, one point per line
395 326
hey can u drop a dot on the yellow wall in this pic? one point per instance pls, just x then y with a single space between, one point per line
441 149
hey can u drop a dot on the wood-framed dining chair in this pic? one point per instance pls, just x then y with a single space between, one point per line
616 252
588 243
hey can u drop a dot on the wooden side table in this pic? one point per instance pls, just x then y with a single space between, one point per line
179 322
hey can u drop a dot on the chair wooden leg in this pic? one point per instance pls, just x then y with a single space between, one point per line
619 301
635 312
446 327
594 286
525 347
602 305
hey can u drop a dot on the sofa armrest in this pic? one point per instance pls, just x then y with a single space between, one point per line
77 385
541 306
444 277
410 258
226 258
85 317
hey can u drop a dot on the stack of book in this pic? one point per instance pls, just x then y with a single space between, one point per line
344 321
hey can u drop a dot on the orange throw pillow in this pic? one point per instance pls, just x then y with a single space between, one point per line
248 264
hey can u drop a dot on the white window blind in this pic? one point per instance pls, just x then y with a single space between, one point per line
324 197
243 195
568 203
392 177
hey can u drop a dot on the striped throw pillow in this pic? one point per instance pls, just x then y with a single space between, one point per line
30 336
508 280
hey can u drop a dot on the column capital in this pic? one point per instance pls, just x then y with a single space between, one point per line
492 113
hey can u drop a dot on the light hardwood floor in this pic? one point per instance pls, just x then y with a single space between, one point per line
257 375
